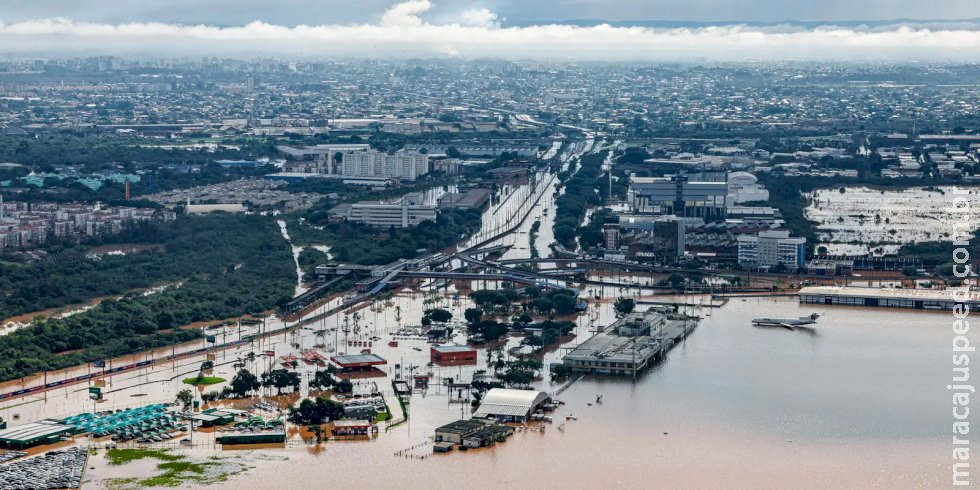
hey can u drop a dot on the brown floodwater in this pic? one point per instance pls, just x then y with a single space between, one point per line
860 404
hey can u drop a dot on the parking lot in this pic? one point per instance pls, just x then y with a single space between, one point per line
56 469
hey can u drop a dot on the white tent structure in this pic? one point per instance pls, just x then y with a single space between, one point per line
508 405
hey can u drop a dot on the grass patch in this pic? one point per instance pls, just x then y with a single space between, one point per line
123 456
178 473
203 381
175 470
383 416
121 483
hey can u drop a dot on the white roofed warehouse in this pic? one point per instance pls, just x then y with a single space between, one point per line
506 405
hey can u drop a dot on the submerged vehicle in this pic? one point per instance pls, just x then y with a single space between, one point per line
790 323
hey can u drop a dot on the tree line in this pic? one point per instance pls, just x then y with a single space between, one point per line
189 246
231 266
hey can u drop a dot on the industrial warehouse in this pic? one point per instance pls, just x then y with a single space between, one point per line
470 433
506 405
918 299
629 345
34 434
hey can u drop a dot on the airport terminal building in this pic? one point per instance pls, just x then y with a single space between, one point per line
918 299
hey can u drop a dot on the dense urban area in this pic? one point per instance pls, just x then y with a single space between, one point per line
203 253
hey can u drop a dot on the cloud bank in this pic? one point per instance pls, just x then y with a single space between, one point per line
402 30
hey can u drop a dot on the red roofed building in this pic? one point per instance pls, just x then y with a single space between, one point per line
452 354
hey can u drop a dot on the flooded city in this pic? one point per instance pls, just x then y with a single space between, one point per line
534 245
796 403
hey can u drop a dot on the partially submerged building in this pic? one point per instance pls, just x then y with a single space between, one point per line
353 427
629 345
508 405
917 299
452 354
470 433
243 438
358 363
214 417
34 434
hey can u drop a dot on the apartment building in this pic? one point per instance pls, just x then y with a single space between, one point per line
772 248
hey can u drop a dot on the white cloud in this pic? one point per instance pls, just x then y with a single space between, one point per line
402 30
405 14
480 17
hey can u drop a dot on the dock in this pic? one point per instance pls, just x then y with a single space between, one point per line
631 344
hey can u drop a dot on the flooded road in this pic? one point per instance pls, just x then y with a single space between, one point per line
300 289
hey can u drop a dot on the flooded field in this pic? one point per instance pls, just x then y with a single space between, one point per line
863 220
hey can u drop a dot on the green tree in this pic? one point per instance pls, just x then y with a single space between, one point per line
624 306
343 386
543 305
439 315
185 397
315 412
564 304
473 315
280 379
322 380
244 383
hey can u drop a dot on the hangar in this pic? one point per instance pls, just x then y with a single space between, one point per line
507 405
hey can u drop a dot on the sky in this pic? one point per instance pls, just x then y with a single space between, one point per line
494 28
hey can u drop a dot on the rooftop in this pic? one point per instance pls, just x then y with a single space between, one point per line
610 346
508 402
34 431
462 426
358 359
949 294
452 348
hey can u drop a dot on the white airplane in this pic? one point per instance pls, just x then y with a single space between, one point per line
790 323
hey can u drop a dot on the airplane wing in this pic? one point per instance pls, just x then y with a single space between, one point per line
787 326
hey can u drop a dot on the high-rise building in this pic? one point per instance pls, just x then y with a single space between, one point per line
770 249
381 165
610 236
